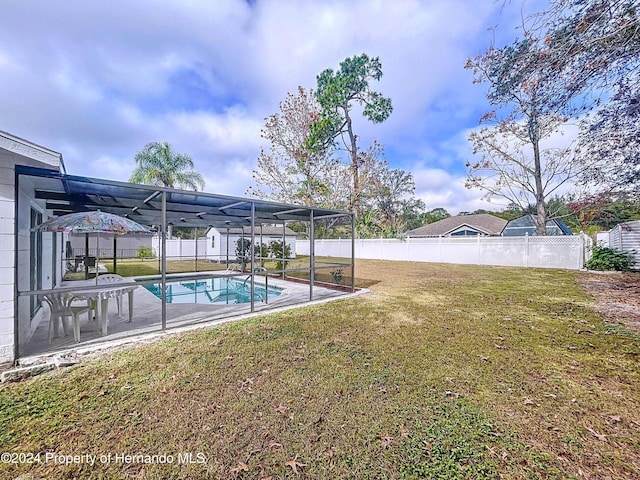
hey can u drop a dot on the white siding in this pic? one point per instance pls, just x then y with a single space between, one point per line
626 237
7 245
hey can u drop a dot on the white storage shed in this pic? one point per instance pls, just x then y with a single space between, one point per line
626 237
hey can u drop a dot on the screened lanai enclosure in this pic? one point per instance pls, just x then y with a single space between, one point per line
74 299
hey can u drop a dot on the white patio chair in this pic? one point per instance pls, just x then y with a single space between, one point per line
60 305
231 268
111 278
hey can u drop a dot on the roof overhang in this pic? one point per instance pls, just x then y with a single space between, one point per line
30 150
64 194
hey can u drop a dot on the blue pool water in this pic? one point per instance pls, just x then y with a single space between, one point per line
218 291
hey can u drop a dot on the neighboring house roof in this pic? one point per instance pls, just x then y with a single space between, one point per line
266 230
483 223
526 225
28 149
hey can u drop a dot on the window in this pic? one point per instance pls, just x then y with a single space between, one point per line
465 233
213 241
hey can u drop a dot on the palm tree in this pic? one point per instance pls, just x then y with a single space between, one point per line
159 164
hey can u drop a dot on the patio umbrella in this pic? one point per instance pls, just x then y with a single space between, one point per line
93 221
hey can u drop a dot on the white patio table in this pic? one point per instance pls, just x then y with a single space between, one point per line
102 296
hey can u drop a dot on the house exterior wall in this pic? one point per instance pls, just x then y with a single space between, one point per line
215 252
16 231
17 152
7 248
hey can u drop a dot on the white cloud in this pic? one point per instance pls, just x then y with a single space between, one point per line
97 81
438 188
116 168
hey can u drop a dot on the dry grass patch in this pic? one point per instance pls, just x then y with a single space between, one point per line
442 372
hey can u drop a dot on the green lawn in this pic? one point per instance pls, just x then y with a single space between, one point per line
326 268
443 371
138 267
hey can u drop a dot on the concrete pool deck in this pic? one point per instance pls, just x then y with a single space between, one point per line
147 320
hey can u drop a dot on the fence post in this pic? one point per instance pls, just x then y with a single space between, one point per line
526 249
585 243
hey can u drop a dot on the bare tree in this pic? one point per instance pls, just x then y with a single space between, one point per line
289 171
530 107
518 169
300 166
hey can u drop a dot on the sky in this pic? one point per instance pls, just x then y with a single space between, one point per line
97 81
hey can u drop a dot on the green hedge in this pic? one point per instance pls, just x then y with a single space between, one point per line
607 258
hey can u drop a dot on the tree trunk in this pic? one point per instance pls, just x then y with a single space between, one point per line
355 164
541 210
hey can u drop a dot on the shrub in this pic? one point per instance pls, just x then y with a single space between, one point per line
337 275
261 251
279 250
607 258
145 252
243 252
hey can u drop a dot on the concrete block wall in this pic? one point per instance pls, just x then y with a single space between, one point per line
7 267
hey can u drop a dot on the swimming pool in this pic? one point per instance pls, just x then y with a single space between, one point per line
217 291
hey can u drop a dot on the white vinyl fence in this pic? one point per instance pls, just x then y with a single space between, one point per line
183 249
569 252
